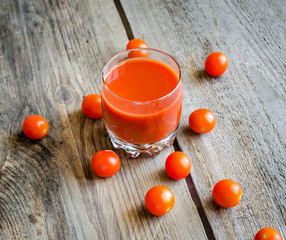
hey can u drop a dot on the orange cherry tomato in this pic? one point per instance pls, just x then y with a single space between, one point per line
227 193
268 234
178 165
137 43
91 106
35 127
105 163
202 121
159 200
216 64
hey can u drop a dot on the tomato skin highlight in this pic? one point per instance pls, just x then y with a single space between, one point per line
159 200
137 43
268 234
105 163
35 127
91 106
227 193
178 165
202 121
216 64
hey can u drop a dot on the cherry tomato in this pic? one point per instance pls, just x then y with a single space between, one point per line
137 43
268 234
105 163
178 165
227 193
91 106
202 121
159 200
35 127
216 64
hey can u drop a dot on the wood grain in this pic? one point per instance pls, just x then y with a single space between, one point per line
51 54
248 143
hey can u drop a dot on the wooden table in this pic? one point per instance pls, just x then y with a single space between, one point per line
52 53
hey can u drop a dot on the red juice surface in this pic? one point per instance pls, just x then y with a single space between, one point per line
144 100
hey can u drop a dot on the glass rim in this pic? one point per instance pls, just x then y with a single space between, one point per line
142 49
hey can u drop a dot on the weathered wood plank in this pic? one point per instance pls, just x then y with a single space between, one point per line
248 143
52 53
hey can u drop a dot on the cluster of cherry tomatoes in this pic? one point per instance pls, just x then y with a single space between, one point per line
159 200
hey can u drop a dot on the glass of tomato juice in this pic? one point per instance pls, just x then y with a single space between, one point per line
141 100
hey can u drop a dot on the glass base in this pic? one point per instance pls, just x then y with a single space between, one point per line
134 150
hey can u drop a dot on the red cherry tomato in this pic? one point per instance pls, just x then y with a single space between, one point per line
178 165
91 106
268 234
137 43
35 127
105 163
202 121
227 193
216 64
159 200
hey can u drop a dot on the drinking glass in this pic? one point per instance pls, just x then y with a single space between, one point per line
141 126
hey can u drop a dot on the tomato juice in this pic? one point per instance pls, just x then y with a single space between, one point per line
141 100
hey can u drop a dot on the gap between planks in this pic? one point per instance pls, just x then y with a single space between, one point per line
189 180
124 19
196 200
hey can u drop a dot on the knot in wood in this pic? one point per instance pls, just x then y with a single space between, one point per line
64 94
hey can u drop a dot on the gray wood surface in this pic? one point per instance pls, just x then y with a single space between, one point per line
51 55
248 143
